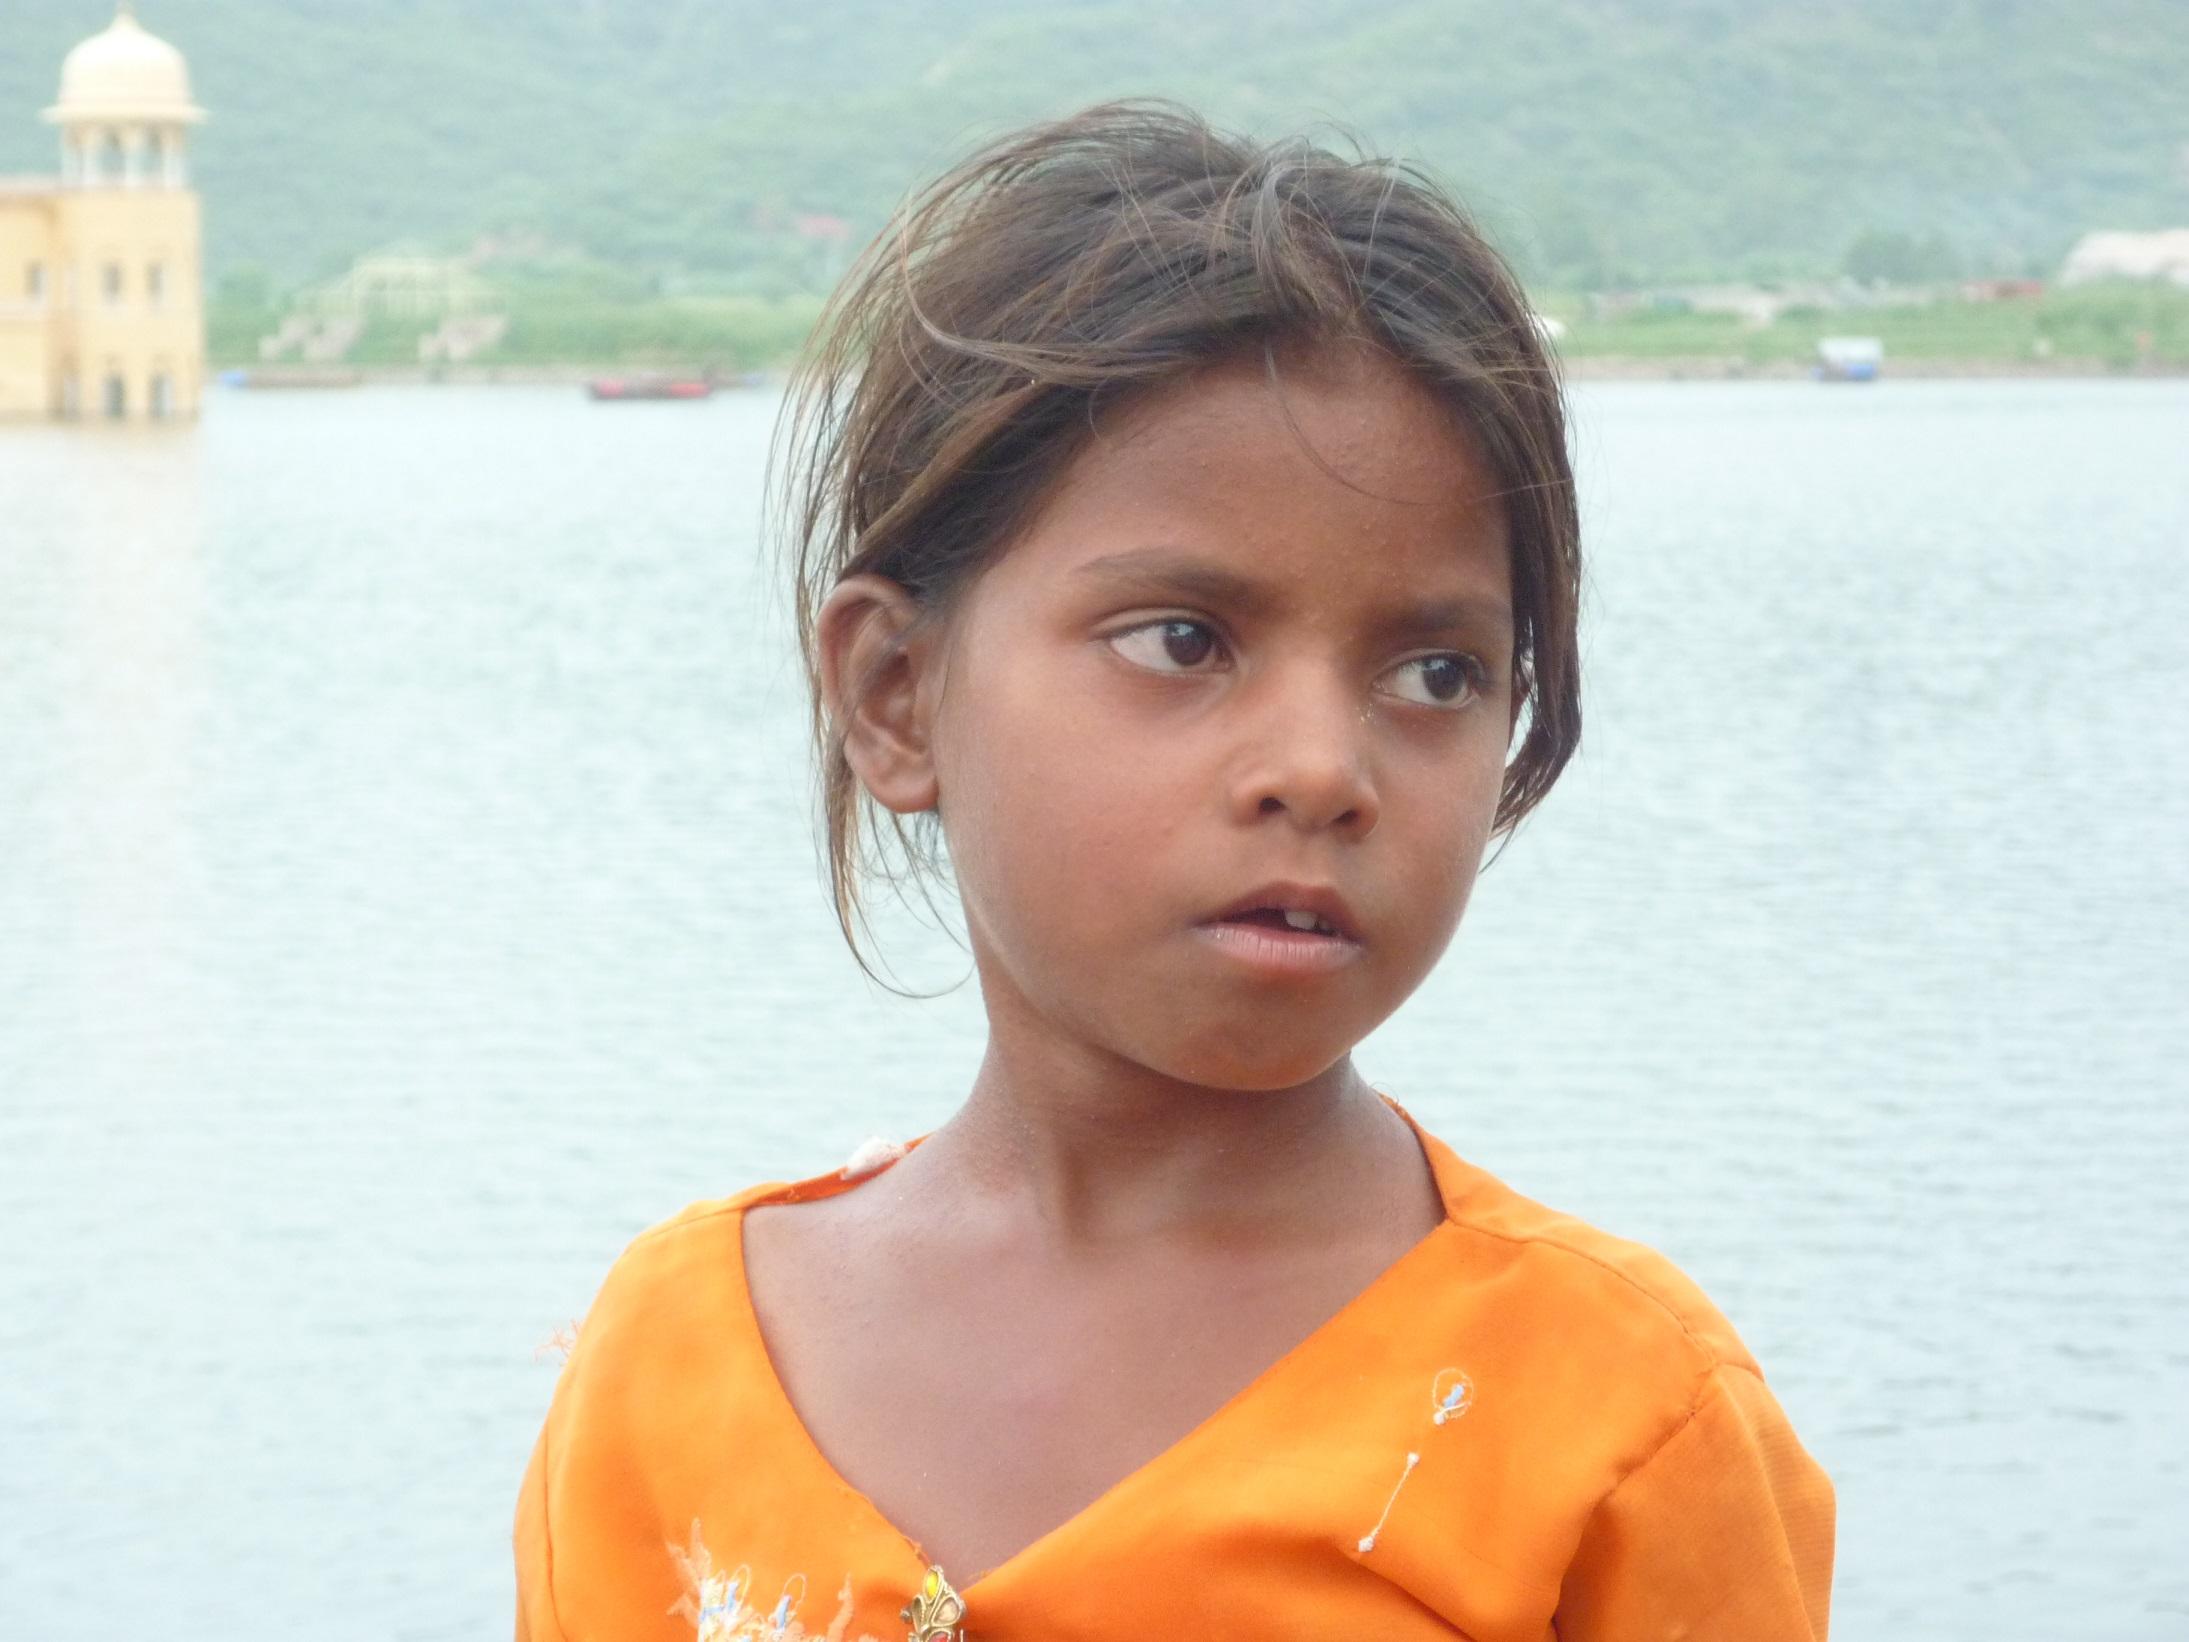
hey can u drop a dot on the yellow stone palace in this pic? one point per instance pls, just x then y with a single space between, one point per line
102 309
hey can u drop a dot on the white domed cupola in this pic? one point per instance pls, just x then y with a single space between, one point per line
124 109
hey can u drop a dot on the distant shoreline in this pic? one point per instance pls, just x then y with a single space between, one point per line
1587 368
1612 368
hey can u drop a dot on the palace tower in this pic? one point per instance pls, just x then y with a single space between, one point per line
102 309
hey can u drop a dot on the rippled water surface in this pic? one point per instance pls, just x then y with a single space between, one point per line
406 895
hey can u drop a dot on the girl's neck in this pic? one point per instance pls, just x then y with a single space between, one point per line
1098 1151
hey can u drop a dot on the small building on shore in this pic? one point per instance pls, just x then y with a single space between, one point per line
2114 255
402 282
102 311
443 301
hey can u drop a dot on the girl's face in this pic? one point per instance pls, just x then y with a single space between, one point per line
1254 654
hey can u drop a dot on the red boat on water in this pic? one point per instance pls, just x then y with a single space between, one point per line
651 385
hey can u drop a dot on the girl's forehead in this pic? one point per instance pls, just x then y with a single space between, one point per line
1319 485
1348 413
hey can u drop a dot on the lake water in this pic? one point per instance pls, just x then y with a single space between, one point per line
407 895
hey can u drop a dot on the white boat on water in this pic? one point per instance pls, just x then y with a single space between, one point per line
1849 359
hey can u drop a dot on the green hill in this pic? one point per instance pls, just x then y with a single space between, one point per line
1603 141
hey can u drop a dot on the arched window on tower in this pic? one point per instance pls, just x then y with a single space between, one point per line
112 164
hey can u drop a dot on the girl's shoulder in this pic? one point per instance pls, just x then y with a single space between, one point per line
689 1266
1590 1283
1685 1503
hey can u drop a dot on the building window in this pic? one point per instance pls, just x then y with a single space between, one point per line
117 395
34 282
155 283
160 397
110 283
70 394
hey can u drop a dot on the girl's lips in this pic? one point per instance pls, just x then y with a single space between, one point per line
1277 950
1269 904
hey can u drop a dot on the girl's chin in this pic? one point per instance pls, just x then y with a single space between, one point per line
1265 1068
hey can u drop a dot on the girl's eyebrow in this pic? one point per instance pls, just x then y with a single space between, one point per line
1476 617
1166 570
1163 570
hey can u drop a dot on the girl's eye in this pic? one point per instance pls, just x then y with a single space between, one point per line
1172 646
1438 681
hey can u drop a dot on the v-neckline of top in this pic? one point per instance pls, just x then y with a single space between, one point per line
1444 1166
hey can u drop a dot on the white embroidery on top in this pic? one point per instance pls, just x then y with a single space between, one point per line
873 1153
1451 1394
719 1604
563 1341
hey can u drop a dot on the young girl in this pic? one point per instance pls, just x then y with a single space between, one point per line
1185 535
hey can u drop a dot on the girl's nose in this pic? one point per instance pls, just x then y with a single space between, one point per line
1307 760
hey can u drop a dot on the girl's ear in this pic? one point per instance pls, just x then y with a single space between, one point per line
872 652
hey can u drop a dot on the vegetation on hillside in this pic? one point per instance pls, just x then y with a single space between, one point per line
1604 143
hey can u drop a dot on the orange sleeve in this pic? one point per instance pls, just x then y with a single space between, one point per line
1724 1532
536 1621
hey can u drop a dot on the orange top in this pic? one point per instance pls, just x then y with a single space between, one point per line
1522 1429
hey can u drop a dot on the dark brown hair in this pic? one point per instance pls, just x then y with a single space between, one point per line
958 367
